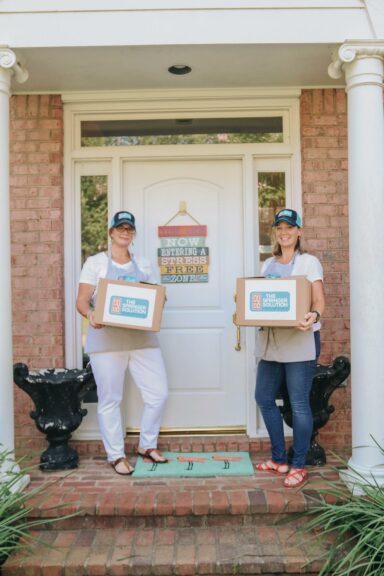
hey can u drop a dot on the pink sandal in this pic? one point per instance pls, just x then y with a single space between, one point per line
274 467
296 478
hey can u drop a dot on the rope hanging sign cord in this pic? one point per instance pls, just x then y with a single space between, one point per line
182 212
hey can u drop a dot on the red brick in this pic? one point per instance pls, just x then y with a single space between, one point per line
120 561
107 505
97 560
201 503
163 558
329 102
183 503
185 560
220 504
164 504
75 560
145 504
257 501
125 538
238 500
52 563
65 539
126 503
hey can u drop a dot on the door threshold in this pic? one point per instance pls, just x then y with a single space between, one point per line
209 431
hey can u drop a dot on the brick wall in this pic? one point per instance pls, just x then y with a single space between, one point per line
37 243
325 207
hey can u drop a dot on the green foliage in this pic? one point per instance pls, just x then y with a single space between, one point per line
16 506
195 138
94 215
271 190
353 524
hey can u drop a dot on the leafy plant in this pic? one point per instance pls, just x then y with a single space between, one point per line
94 215
16 505
353 525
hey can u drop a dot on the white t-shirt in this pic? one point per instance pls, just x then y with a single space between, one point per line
95 267
109 338
289 344
304 265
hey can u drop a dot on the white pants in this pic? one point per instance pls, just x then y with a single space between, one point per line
148 372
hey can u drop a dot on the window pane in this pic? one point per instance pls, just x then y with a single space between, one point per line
271 188
94 215
94 232
182 131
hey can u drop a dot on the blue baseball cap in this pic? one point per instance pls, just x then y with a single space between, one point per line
123 218
289 216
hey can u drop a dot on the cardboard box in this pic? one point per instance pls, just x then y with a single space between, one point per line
272 301
138 306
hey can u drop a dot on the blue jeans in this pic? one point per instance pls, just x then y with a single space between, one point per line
298 377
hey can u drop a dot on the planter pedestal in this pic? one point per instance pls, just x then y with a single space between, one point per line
325 382
57 395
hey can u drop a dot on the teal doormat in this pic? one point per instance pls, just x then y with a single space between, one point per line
196 464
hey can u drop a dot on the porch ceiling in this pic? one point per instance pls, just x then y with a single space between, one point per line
145 67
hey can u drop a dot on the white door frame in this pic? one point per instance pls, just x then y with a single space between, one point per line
176 104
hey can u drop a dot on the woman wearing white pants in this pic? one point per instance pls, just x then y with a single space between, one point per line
113 350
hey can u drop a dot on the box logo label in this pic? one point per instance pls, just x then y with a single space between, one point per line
270 302
129 307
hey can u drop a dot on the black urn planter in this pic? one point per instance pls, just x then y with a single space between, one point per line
57 395
325 382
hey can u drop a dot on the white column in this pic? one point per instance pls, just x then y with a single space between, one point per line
8 67
364 68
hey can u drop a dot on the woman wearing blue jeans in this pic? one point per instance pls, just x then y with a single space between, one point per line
290 353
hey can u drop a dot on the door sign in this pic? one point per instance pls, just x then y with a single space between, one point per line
183 256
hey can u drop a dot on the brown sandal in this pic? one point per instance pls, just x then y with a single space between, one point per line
148 454
127 465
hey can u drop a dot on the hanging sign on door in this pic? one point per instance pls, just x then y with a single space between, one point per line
183 256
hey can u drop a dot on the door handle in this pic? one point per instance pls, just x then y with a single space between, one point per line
238 335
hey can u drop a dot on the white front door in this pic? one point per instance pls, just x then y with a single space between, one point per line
207 376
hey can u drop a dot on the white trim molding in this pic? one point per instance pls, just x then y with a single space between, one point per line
17 6
352 49
185 97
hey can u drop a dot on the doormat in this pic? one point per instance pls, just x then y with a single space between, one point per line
196 464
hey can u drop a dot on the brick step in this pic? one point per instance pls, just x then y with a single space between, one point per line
190 443
267 550
102 498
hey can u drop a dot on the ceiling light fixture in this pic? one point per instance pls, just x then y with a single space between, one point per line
179 69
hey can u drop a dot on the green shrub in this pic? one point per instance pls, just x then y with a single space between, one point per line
16 505
353 526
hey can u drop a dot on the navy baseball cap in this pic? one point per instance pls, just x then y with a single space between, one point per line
289 216
123 218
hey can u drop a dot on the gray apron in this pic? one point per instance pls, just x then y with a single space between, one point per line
284 344
109 338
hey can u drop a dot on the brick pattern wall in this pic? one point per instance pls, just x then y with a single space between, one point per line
325 207
36 149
